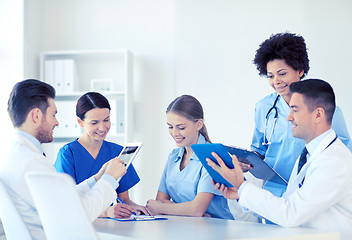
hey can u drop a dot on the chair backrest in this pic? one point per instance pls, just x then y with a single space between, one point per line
59 206
12 222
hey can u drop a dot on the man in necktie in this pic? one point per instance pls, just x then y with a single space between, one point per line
324 201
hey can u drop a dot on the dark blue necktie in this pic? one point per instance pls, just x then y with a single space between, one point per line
302 159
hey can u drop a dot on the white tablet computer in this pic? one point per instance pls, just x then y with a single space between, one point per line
129 152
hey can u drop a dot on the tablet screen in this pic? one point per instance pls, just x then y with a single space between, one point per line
127 154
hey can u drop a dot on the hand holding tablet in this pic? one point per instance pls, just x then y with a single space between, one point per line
129 152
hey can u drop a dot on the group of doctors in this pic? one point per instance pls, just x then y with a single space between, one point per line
282 58
186 187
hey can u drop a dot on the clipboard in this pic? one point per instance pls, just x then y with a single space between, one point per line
203 151
138 218
260 168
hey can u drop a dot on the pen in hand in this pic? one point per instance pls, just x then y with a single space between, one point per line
121 201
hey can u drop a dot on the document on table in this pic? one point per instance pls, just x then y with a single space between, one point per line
138 218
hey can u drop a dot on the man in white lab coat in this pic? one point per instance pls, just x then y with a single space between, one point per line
32 110
319 192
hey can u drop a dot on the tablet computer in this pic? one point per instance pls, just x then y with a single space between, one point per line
129 152
203 151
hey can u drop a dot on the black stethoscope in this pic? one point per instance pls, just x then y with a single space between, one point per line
273 108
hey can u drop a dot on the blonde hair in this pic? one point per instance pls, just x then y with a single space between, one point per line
190 108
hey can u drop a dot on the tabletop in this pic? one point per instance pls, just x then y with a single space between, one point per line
193 228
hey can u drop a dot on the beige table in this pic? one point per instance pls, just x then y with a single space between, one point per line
194 228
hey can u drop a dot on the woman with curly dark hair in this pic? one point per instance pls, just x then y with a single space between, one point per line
283 59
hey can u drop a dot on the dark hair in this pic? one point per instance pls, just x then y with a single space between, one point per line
25 96
89 101
190 108
317 93
286 46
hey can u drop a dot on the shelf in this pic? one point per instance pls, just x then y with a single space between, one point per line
76 72
76 95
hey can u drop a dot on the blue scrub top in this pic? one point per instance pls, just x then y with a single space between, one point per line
76 161
183 186
284 149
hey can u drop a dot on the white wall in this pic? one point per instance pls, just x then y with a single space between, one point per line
216 43
200 47
11 58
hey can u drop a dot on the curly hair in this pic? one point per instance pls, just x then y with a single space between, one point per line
287 46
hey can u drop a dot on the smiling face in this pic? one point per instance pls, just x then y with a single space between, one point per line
183 131
44 132
302 120
96 123
281 76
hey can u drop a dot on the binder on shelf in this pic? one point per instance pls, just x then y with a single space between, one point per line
49 71
120 116
62 74
69 75
113 111
59 76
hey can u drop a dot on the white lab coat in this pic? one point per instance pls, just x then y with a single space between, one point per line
325 199
23 157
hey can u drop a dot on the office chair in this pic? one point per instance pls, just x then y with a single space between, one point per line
12 222
59 206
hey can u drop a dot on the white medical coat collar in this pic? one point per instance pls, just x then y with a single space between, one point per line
296 179
313 144
33 140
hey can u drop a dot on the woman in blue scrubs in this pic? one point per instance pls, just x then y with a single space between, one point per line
283 59
84 156
185 187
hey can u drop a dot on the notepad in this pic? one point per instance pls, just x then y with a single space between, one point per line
138 218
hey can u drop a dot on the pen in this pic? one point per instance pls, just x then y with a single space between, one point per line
121 201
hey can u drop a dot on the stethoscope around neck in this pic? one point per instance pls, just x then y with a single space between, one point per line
273 108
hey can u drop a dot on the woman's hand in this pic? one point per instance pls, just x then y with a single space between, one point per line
153 207
142 210
244 166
